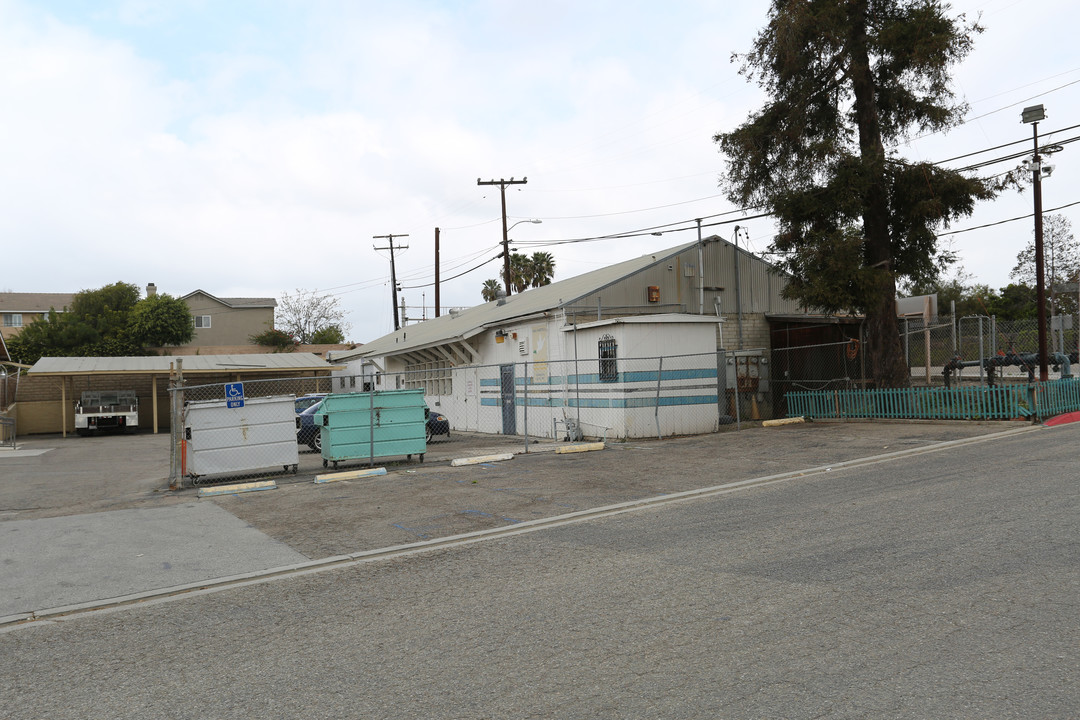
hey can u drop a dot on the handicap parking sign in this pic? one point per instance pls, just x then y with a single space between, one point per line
234 395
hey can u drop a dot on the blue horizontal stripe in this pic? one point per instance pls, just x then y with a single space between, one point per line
616 403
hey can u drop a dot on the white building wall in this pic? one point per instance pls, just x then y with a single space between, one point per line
563 380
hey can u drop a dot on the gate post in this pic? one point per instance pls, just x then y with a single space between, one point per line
177 447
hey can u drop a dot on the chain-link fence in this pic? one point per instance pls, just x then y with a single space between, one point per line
609 398
254 429
981 349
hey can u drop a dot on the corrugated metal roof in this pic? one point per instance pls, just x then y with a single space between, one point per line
256 363
665 318
465 324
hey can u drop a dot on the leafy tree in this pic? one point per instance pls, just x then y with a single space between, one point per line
97 324
277 339
106 310
1061 262
844 79
1015 302
306 313
329 335
490 290
161 320
65 335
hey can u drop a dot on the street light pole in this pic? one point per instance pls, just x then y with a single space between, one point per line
1033 115
506 248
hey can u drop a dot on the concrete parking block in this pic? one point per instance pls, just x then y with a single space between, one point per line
237 488
351 475
581 447
458 462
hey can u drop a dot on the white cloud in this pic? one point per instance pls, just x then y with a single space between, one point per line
196 145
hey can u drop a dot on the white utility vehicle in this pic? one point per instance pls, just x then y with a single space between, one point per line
106 410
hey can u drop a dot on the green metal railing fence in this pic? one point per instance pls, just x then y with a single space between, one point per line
1005 402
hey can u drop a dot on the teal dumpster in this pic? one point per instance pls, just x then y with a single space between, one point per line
366 426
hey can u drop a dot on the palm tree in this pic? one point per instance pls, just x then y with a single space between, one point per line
543 268
491 290
520 272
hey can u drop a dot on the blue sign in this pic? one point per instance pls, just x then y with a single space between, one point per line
234 395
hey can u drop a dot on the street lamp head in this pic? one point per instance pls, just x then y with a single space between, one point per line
533 220
1033 114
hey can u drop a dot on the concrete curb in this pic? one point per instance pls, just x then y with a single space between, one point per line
351 475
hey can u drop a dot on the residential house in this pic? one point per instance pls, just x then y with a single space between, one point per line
17 310
221 321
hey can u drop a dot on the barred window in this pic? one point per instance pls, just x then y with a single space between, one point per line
434 378
609 370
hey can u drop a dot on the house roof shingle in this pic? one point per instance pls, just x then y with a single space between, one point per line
34 302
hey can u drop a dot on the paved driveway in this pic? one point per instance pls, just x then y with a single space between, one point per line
84 519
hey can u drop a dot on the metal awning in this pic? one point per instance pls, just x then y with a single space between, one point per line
267 364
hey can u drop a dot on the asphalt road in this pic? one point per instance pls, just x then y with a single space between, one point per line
930 584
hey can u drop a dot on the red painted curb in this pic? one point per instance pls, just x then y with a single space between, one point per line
1063 419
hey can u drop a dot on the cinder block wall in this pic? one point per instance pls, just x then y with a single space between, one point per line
755 331
39 401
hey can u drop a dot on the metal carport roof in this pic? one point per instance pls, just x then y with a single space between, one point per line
163 365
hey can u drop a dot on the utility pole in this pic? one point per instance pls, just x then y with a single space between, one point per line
506 239
393 271
436 272
1033 115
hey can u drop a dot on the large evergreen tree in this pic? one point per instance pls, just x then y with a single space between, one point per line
846 79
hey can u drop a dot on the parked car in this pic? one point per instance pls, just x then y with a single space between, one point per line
437 424
307 432
305 401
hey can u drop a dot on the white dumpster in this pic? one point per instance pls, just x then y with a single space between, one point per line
257 436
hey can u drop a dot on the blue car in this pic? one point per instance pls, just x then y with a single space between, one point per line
307 433
303 402
437 424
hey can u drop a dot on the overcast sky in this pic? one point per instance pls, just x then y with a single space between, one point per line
253 148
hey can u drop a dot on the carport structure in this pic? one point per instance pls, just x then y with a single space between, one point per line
140 370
